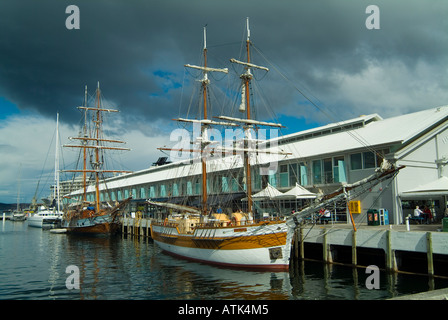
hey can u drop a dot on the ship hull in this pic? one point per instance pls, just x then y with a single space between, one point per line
265 246
98 225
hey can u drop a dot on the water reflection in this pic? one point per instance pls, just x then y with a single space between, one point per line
195 280
34 263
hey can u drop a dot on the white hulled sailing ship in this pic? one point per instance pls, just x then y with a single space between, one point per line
94 217
236 239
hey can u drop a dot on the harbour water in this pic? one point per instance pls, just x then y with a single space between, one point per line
33 265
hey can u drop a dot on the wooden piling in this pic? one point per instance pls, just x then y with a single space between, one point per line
327 256
429 254
391 263
354 255
302 244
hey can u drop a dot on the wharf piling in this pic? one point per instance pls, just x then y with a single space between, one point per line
136 227
423 250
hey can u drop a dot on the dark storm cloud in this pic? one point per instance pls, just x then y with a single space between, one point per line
137 50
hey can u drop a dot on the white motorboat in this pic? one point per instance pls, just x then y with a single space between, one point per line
45 218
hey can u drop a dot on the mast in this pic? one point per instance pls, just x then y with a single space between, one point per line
84 173
245 107
205 82
97 141
96 164
246 78
56 164
204 126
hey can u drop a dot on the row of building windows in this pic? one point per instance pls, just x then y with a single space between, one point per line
320 171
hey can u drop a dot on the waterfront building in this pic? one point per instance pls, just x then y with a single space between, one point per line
320 160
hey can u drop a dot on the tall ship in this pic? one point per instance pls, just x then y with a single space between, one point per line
238 239
99 215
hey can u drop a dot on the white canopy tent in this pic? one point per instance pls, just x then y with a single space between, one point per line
436 188
297 192
267 193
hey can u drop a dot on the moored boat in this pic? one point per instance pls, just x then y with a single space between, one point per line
99 216
45 218
236 239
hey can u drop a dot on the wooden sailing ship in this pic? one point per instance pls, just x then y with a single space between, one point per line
236 239
94 217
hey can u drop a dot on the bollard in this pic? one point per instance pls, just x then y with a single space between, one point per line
407 224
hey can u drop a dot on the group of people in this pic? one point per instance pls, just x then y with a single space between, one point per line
425 214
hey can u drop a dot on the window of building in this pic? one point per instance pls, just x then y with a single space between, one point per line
175 190
294 174
328 170
368 160
225 184
339 169
162 192
152 192
317 171
189 188
356 161
198 186
284 175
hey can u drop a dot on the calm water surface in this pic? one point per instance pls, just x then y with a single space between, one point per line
33 265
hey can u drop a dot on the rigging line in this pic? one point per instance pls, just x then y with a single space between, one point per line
356 136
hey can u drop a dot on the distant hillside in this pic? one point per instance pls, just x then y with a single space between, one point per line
12 206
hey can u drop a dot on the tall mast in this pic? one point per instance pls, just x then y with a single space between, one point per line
56 164
97 149
84 142
245 106
246 78
205 82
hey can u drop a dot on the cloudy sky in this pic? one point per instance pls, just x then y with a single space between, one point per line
137 51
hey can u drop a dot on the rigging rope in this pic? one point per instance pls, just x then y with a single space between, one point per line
333 118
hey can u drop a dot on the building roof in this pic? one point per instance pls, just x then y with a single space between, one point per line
369 131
